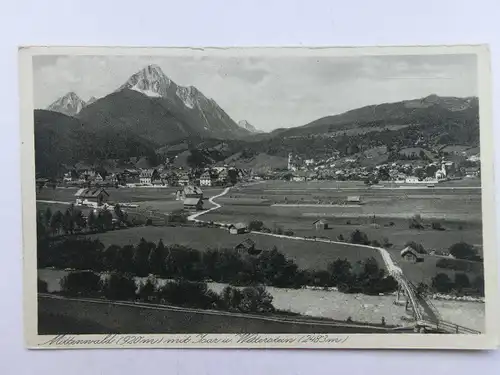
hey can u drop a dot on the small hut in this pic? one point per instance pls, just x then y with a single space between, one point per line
193 204
320 224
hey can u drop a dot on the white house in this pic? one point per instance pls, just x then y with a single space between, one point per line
95 197
206 179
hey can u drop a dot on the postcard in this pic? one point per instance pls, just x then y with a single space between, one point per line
258 197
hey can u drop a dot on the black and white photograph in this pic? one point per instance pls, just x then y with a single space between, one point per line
243 197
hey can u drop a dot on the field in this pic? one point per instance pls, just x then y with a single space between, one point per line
307 255
337 306
58 316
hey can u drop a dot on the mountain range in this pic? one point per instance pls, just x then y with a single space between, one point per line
149 114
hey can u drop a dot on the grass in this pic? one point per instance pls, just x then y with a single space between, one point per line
57 316
307 255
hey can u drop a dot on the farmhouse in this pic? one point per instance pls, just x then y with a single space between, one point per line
299 176
94 197
147 176
237 228
411 255
193 204
320 224
247 247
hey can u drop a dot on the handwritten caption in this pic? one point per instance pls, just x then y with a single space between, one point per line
249 339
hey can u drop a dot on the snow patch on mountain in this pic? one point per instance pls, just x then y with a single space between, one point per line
69 104
150 81
187 95
150 93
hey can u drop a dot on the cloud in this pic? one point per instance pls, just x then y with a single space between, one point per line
269 92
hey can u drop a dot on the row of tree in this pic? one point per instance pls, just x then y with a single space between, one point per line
74 221
461 284
271 267
117 286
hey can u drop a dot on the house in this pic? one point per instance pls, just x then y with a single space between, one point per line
320 224
411 255
247 247
238 228
193 204
68 177
147 176
111 178
299 176
207 179
91 197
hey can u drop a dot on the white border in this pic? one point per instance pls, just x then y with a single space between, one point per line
489 340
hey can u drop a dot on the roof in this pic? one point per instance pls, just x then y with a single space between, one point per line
238 226
321 221
190 189
410 250
90 192
192 201
354 198
247 243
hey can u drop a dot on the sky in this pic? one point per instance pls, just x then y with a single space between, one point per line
268 92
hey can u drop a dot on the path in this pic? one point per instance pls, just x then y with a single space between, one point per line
426 315
56 202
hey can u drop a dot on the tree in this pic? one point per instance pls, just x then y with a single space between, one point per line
359 237
156 259
81 283
415 222
120 215
42 286
256 299
141 257
147 290
92 221
442 283
68 223
255 225
48 217
478 284
119 287
79 220
340 272
233 175
463 250
56 222
461 281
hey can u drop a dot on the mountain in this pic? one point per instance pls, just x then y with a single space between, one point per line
431 111
247 126
69 104
65 140
153 107
91 100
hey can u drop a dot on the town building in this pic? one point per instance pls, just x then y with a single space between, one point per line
207 179
91 197
147 176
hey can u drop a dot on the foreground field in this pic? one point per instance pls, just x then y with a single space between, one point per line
57 316
307 255
338 306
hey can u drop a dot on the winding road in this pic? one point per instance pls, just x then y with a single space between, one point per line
426 315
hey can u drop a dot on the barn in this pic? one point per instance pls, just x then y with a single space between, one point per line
238 228
247 247
320 224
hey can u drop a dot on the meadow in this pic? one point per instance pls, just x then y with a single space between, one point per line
307 255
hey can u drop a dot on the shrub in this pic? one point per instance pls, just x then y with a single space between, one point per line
119 287
478 284
340 237
415 222
376 243
147 290
250 299
359 237
385 242
81 283
42 286
288 232
187 293
255 225
463 250
436 225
